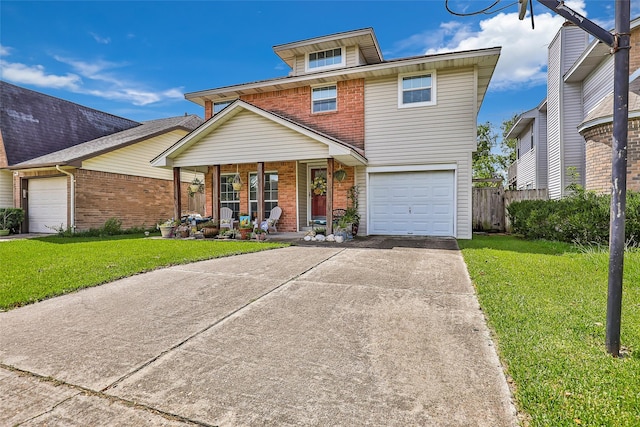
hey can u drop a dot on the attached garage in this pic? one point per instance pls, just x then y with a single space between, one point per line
420 203
47 204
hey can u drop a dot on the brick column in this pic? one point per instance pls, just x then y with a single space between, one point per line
208 109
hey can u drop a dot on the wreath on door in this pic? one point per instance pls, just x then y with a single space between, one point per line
319 185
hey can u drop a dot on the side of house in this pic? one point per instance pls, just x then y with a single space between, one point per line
82 186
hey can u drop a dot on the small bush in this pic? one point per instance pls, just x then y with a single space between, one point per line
112 227
582 217
11 218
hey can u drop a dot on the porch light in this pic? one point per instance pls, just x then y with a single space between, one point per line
236 183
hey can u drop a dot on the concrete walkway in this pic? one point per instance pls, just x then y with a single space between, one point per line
304 335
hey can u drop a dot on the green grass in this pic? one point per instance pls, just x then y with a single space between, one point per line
35 269
546 304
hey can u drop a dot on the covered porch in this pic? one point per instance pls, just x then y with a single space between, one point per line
254 160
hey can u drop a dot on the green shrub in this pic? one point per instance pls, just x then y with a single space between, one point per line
11 218
582 217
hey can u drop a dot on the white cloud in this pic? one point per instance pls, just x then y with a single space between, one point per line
95 78
4 50
37 76
100 39
523 58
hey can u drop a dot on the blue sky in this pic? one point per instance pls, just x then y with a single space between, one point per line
137 59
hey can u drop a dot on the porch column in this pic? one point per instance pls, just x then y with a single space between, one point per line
215 192
330 168
261 213
177 195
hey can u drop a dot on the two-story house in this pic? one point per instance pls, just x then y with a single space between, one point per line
567 138
403 130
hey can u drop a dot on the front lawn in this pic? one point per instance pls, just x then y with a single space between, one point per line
546 303
35 269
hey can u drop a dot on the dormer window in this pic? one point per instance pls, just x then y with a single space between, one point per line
331 58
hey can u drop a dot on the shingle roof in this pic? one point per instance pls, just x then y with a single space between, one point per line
114 141
34 124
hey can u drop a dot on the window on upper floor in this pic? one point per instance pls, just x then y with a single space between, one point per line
219 106
416 89
324 99
331 58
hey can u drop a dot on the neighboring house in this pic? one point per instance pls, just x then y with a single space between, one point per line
403 130
530 130
71 166
579 116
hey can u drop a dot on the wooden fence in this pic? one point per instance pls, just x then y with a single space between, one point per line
490 206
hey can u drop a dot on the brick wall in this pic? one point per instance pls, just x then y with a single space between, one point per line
286 189
598 157
346 124
136 201
634 53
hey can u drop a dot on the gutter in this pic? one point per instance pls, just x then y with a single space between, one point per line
72 198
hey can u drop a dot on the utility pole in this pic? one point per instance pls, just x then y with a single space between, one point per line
620 45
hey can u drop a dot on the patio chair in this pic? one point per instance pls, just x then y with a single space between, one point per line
270 224
226 218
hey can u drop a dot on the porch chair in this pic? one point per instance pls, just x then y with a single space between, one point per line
226 218
270 224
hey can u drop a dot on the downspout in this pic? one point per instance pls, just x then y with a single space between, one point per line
72 198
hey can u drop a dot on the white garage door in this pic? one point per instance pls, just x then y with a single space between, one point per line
412 203
47 204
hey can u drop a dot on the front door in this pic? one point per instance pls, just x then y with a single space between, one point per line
319 196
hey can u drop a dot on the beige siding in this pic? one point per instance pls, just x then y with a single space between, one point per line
443 133
433 134
361 182
463 198
6 189
237 140
134 159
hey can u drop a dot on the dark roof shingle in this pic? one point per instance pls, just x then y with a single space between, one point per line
34 124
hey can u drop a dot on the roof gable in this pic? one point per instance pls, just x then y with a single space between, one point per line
34 124
244 133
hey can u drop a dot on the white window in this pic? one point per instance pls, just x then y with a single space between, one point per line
331 58
270 193
416 90
219 106
324 99
229 198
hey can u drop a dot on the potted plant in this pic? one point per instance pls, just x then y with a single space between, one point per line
10 219
196 186
245 230
210 228
183 230
260 234
167 228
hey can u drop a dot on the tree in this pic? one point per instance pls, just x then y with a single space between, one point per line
485 163
508 146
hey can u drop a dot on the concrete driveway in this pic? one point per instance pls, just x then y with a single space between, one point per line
304 335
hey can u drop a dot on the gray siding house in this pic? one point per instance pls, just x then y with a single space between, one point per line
573 124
